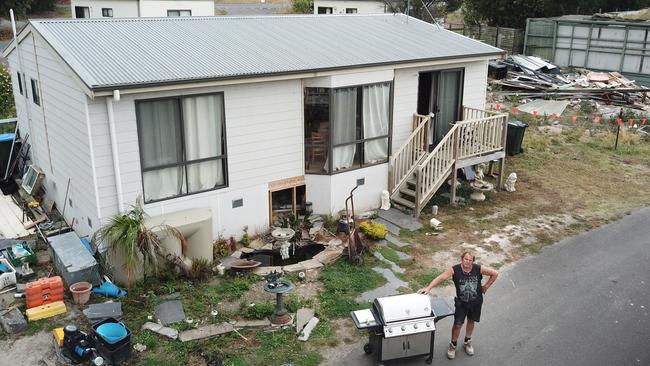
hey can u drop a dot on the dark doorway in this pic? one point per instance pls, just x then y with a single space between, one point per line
440 93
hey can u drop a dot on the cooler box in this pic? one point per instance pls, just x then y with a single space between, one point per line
73 260
44 291
7 278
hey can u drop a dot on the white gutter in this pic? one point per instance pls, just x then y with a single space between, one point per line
114 151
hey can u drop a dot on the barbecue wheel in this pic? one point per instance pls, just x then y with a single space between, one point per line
367 348
357 260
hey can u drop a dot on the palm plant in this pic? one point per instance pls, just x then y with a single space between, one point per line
128 235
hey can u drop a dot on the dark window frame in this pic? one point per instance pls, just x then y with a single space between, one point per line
184 163
179 12
351 10
76 11
36 92
357 141
324 10
106 11
20 82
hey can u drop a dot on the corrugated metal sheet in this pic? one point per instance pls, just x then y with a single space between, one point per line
148 51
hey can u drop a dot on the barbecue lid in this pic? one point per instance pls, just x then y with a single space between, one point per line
403 307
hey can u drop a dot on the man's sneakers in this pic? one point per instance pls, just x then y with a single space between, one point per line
467 346
451 351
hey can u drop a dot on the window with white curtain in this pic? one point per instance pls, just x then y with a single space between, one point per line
357 128
182 145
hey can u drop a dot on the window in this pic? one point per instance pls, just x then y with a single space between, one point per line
81 12
346 128
324 10
179 13
107 12
35 92
20 83
350 10
182 145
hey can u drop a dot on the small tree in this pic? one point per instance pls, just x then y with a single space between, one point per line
128 235
302 6
7 106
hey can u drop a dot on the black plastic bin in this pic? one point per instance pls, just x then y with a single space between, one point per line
113 354
515 137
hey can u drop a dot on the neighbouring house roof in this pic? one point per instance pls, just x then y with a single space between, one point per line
134 52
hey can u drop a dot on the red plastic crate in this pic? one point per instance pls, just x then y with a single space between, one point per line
44 291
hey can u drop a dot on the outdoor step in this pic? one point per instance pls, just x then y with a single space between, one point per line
404 202
400 219
407 192
392 228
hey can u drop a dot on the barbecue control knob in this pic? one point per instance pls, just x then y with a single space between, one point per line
390 330
415 326
428 324
403 328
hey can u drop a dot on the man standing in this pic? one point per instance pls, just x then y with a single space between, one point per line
467 278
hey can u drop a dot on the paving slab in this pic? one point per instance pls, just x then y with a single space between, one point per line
162 330
302 318
393 266
169 312
99 312
256 323
263 271
311 264
13 321
396 241
400 219
204 332
329 255
403 256
390 288
297 267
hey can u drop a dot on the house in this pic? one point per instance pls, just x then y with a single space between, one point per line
350 7
251 117
140 8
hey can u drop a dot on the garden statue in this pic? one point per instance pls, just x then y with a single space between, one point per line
480 175
385 200
510 182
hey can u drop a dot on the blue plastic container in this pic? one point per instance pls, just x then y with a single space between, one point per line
112 332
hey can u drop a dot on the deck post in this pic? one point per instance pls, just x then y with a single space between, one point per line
454 171
502 165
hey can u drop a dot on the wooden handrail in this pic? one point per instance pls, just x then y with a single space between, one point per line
405 159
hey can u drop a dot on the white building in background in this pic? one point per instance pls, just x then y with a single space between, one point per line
140 8
350 7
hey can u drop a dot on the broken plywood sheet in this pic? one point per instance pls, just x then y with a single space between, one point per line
11 225
544 107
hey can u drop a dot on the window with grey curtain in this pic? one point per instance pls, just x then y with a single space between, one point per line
181 145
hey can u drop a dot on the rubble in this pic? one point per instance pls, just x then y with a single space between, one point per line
532 77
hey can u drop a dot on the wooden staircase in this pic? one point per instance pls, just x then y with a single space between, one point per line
415 175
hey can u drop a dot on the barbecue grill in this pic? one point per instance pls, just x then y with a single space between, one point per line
401 326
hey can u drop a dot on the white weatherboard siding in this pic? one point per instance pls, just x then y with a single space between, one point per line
339 7
406 95
121 8
328 192
159 8
63 104
264 136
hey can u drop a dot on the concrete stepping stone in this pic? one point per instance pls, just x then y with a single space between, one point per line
157 328
393 266
390 288
400 219
169 312
204 332
396 241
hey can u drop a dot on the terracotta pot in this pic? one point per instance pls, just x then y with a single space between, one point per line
81 292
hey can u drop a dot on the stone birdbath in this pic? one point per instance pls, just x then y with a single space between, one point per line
480 187
282 237
278 286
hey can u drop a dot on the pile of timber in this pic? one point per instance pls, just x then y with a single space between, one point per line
532 77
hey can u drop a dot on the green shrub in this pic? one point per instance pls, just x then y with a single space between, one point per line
373 230
302 6
258 310
7 106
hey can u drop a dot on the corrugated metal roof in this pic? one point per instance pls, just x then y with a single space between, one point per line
120 53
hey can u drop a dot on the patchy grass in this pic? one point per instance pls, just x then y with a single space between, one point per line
424 278
343 283
388 253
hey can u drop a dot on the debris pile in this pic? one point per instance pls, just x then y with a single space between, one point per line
532 77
